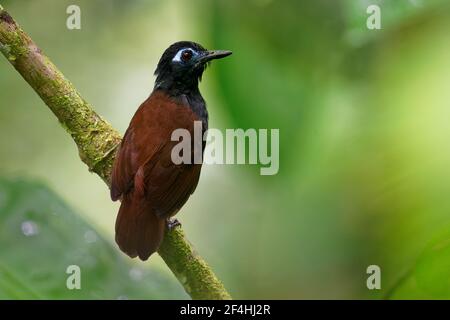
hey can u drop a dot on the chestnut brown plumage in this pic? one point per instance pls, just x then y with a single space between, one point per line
150 186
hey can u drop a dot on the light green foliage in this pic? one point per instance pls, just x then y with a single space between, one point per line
363 174
41 236
429 278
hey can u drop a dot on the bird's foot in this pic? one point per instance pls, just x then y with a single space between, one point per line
172 224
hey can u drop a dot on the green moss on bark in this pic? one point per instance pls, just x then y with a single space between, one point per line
190 269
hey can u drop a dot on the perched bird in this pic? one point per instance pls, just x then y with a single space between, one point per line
150 186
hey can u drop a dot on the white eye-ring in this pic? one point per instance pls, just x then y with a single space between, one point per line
184 55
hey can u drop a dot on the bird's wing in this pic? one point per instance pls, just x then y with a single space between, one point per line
138 144
144 163
168 186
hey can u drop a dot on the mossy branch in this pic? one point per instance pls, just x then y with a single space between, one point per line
97 141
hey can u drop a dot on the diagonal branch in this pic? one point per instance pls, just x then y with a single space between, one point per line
97 141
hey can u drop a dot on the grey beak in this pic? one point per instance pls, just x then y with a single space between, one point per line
215 54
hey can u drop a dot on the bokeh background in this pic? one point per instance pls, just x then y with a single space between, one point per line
364 161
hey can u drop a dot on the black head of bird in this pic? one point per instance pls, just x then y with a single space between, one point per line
182 65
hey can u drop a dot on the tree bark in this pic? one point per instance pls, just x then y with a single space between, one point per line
97 142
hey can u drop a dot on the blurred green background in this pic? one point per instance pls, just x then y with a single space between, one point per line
364 134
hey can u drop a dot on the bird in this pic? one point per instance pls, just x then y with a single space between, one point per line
150 186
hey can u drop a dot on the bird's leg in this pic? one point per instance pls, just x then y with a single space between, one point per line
171 224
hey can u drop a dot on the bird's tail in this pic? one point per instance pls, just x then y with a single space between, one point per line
139 232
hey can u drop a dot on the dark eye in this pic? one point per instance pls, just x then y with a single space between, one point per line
186 55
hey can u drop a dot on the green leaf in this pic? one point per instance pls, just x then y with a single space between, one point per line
40 236
430 277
